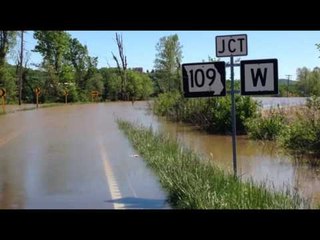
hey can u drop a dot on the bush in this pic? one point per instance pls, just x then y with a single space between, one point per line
210 114
303 134
266 127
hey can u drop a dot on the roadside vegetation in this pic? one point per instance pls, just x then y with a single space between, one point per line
68 67
194 183
210 114
295 129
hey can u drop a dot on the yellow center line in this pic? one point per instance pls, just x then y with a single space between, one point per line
113 186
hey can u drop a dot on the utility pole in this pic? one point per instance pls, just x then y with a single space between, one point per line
288 76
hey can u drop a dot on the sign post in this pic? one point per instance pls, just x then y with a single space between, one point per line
38 92
66 96
230 46
258 77
94 95
3 95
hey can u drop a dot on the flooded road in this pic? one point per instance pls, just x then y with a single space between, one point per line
73 157
268 102
76 157
261 161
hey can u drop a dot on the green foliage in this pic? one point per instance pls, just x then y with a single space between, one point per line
53 46
194 183
267 127
308 81
9 83
166 103
8 40
210 114
303 134
167 63
139 85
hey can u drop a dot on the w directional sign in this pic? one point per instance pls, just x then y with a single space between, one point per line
204 79
259 77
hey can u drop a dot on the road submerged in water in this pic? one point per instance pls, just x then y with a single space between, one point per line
73 157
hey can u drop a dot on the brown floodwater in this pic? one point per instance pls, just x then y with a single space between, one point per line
261 161
73 157
51 158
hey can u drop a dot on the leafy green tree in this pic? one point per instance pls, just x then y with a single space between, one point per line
53 46
7 77
7 42
139 85
112 82
167 63
80 60
308 81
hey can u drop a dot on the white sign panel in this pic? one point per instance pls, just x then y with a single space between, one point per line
259 77
204 79
231 45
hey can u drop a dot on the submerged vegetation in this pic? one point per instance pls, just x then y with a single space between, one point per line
194 183
296 129
210 114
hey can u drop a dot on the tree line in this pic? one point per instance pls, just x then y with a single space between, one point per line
68 67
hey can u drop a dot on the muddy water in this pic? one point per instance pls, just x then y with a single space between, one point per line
261 161
38 146
73 157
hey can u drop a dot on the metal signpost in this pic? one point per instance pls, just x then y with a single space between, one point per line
94 95
258 77
230 46
66 96
3 95
38 92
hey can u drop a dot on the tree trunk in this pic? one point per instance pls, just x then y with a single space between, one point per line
21 69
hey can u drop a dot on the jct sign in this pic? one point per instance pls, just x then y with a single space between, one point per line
231 45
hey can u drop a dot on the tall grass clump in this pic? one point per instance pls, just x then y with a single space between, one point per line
267 126
194 183
302 135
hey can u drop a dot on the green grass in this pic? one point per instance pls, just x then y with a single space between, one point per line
194 183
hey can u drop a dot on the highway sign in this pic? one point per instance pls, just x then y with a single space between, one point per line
204 79
37 90
2 92
259 77
231 45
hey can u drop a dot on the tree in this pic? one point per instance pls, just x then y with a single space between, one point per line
78 56
53 46
7 76
21 67
139 85
308 81
121 68
7 42
167 63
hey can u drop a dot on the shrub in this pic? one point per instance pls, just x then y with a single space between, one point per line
266 127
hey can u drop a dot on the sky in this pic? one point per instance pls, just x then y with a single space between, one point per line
293 49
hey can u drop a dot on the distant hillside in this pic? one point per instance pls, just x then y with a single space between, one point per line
283 81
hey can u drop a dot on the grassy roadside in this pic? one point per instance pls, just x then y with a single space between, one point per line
193 183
